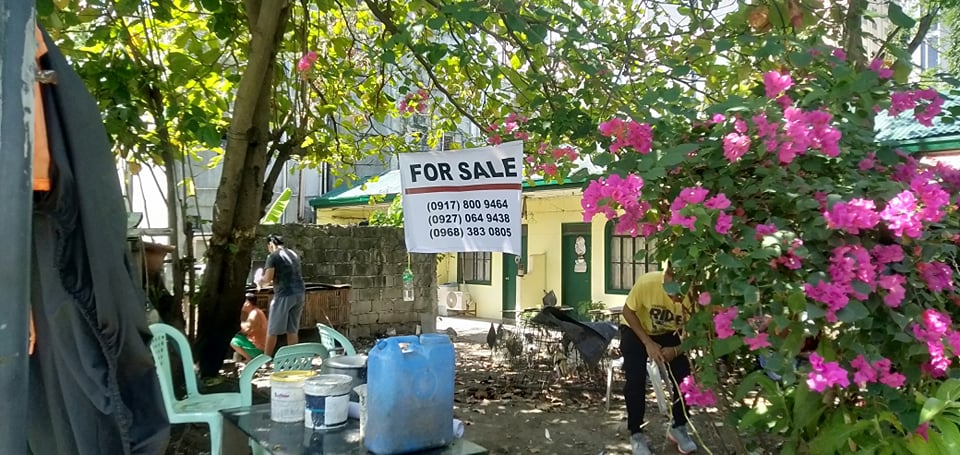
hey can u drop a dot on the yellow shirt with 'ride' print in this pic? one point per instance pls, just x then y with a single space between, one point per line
657 312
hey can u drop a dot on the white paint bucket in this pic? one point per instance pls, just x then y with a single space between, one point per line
327 401
286 395
361 391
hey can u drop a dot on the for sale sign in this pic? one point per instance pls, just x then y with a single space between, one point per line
463 200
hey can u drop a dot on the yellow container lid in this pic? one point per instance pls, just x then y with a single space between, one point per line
292 376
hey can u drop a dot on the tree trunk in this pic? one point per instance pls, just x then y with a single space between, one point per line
238 203
853 33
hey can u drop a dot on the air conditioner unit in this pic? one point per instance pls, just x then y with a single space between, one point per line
456 301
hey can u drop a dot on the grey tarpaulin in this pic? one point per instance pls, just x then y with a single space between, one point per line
93 386
590 338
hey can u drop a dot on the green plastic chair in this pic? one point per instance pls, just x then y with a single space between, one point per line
196 407
329 337
299 356
246 392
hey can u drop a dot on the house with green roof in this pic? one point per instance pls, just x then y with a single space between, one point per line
582 262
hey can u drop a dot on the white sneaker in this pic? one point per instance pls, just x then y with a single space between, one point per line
640 444
681 437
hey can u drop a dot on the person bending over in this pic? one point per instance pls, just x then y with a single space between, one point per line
653 320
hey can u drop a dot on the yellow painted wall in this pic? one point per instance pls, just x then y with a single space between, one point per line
347 215
544 219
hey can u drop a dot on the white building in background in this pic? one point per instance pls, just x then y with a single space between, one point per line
928 56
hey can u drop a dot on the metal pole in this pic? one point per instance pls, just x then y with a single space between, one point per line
17 76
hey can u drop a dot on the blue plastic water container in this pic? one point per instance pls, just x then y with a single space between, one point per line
409 394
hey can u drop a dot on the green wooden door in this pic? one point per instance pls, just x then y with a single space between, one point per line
509 284
511 268
576 266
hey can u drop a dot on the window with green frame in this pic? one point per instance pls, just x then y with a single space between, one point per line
622 266
474 268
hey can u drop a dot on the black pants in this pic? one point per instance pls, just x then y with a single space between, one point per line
635 369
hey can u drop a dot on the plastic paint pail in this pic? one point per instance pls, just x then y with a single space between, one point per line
327 400
286 395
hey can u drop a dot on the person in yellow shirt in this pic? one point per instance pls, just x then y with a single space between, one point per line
650 329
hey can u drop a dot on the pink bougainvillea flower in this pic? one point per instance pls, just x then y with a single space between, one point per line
495 139
724 223
766 229
939 363
901 215
879 66
757 342
693 194
937 275
735 145
704 298
839 53
717 118
935 323
775 83
849 263
723 322
886 254
718 202
826 374
833 295
695 395
886 375
893 284
953 339
863 373
307 61
613 193
923 431
933 108
852 216
633 134
678 219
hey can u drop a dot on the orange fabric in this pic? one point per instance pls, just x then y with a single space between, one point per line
41 149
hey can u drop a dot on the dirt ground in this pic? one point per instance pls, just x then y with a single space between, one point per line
511 412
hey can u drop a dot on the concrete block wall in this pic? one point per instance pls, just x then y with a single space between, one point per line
371 259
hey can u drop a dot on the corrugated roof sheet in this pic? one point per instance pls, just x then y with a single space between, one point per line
905 128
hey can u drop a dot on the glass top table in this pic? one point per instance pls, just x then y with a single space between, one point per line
295 439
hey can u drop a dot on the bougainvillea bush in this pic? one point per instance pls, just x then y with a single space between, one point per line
809 248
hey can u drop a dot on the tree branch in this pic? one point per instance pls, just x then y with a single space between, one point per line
922 29
391 27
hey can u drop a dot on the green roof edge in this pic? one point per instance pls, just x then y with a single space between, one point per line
321 203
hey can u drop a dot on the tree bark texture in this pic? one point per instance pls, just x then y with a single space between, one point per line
238 203
853 33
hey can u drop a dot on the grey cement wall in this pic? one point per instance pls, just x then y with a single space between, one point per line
372 260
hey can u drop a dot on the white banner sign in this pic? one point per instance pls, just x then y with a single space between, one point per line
463 200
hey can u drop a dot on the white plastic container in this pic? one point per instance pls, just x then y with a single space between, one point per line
286 395
362 414
327 400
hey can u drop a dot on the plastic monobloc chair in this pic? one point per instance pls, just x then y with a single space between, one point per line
299 356
196 407
329 337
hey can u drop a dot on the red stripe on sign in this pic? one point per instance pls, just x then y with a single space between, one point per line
460 189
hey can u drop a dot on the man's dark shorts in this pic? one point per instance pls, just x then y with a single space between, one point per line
285 314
